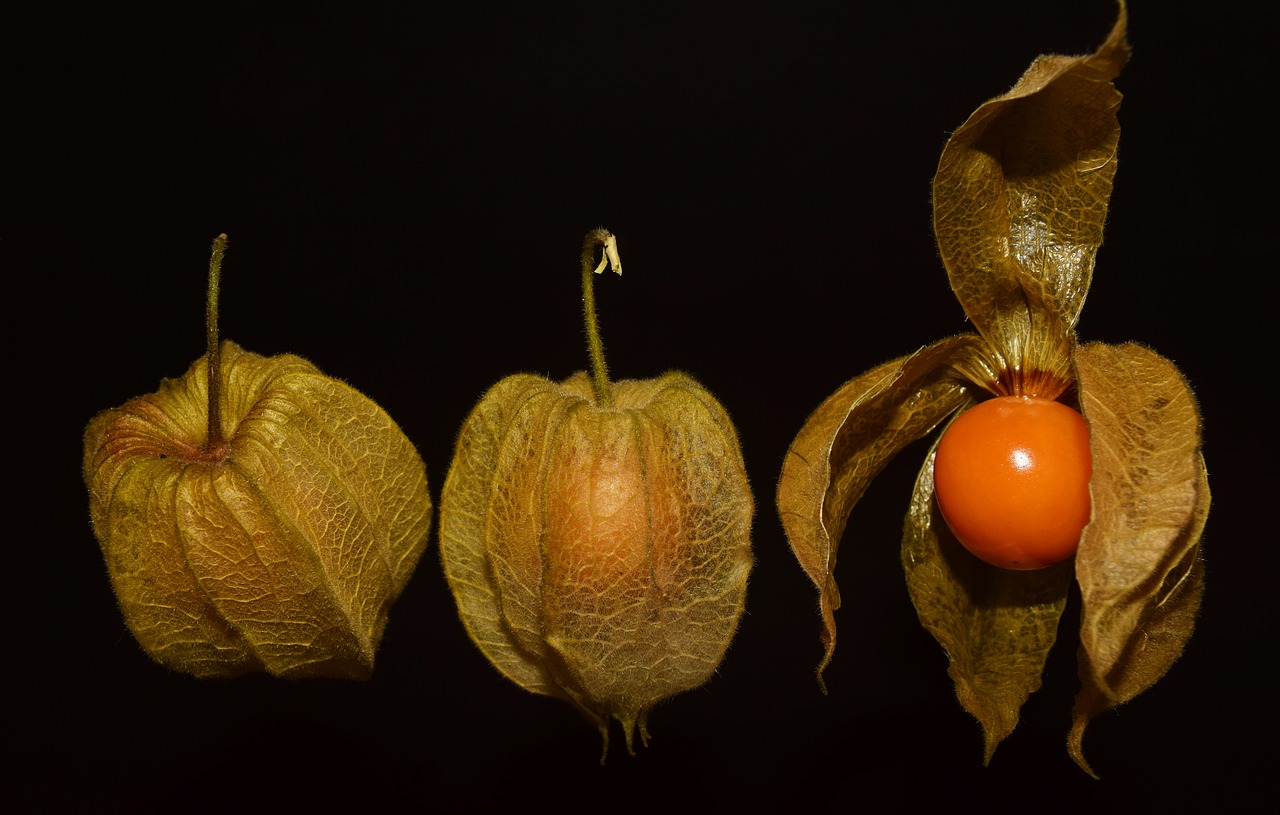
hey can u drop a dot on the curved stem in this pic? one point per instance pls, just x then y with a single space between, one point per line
212 349
609 256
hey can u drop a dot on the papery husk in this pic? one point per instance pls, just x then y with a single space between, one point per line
599 555
1020 200
849 439
280 551
996 625
1139 566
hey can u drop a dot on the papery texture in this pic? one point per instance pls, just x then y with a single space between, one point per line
282 551
599 554
847 441
1020 199
1139 566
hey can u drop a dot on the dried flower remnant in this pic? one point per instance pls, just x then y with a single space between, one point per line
255 514
596 534
1020 199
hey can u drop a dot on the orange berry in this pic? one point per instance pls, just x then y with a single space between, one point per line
1012 480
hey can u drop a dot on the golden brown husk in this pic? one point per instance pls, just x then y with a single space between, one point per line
599 555
1020 202
280 551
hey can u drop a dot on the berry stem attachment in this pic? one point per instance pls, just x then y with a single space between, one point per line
214 439
609 257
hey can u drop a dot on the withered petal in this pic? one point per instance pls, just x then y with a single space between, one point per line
849 439
1020 200
1139 565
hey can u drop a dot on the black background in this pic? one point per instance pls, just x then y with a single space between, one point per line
406 190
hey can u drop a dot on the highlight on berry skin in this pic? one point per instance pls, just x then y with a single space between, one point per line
1011 477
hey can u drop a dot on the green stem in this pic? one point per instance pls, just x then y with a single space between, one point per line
212 349
599 371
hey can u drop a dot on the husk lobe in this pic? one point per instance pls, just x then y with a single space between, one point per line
1139 567
849 439
1020 200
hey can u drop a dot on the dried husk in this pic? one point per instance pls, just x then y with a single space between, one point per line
996 625
845 444
599 554
1139 567
278 551
1020 200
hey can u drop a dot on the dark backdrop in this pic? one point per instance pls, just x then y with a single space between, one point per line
406 190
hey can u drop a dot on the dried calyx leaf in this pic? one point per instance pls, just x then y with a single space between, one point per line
996 625
255 515
596 534
1020 197
1139 565
847 442
1019 201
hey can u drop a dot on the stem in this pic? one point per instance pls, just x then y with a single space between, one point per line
212 349
609 256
